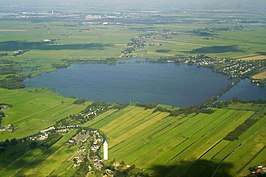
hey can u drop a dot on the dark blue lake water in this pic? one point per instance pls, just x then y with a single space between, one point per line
244 90
162 83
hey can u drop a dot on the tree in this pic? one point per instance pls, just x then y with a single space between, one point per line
7 142
33 144
14 141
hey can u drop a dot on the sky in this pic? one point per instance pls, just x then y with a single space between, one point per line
247 5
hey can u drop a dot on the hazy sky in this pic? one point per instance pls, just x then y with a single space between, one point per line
144 4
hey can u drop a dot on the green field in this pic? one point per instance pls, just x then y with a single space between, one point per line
154 141
84 41
75 42
239 44
185 145
34 110
40 161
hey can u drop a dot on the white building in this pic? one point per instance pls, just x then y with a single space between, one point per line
105 151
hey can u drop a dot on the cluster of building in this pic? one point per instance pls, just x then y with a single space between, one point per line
91 112
233 68
141 41
18 52
4 107
39 15
43 134
79 138
259 171
138 42
9 128
94 148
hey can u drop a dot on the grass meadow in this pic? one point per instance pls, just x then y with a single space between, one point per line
34 110
151 139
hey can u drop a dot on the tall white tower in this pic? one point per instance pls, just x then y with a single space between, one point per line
105 151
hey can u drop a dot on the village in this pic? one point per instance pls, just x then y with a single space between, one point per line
89 113
9 127
233 68
91 155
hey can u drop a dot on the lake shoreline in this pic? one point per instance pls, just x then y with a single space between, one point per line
138 69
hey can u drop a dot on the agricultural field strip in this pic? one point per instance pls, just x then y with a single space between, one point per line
208 139
214 123
39 125
67 163
9 170
189 154
62 169
63 114
155 140
17 121
57 145
122 119
241 106
222 160
137 123
118 130
7 98
16 162
111 117
216 149
205 120
164 158
140 131
54 161
174 125
177 42
258 158
193 138
254 57
39 113
202 150
23 96
100 117
135 137
241 155
226 151
248 147
146 138
42 157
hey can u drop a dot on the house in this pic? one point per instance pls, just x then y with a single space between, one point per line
116 164
47 130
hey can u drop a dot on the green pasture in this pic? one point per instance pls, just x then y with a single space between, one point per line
75 41
34 110
71 40
22 160
185 144
236 44
151 139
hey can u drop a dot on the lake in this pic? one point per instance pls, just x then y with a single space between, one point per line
244 90
162 83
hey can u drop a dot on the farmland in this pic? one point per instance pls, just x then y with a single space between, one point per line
35 48
45 134
182 144
38 107
155 142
